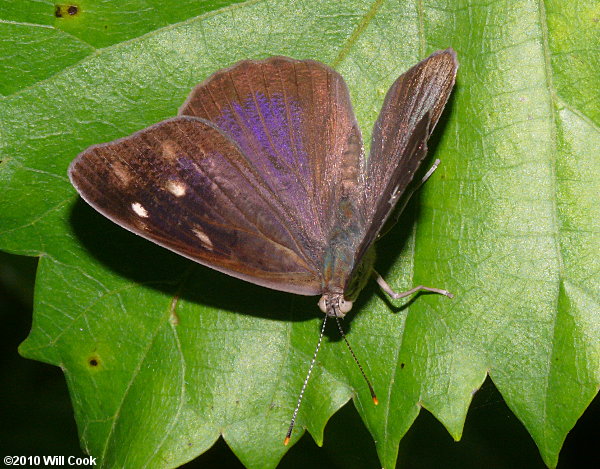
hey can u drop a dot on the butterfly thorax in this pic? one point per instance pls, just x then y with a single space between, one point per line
342 278
360 275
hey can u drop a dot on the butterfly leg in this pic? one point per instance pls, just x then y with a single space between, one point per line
405 199
408 195
436 163
396 296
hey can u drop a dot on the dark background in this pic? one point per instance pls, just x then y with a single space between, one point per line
37 418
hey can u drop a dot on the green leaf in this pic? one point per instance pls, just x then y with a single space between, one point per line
162 356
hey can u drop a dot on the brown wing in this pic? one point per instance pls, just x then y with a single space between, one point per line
411 109
421 91
186 186
294 123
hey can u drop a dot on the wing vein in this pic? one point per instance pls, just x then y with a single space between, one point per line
231 200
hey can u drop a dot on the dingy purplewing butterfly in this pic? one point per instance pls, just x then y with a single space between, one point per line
262 176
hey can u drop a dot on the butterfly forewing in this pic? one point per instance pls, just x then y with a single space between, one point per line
410 111
421 92
186 186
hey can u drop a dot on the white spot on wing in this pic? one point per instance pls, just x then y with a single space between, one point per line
177 188
139 209
203 237
394 195
170 149
121 173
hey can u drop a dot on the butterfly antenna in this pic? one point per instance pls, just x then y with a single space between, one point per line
310 368
373 395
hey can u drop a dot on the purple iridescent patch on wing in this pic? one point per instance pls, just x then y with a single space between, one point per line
269 133
275 125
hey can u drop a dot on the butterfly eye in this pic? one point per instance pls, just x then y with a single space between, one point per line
345 306
323 304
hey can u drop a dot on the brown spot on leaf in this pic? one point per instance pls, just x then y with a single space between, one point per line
61 11
94 362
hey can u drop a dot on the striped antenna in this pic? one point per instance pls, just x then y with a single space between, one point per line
371 390
312 364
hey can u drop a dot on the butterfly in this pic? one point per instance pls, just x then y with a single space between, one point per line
262 175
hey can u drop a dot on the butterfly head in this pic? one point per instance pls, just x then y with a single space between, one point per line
335 305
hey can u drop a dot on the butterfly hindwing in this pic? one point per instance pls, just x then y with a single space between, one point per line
294 123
